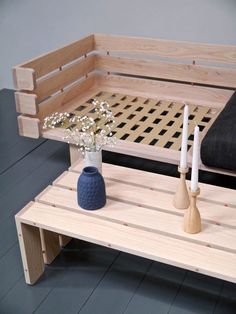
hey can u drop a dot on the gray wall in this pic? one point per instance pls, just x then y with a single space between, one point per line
31 27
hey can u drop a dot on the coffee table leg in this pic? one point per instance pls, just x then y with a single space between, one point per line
75 155
50 245
31 251
64 240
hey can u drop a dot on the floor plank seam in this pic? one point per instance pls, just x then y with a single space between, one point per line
1 256
35 310
218 297
141 281
9 290
103 276
177 292
14 163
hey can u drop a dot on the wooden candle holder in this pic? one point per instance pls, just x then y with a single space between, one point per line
181 198
192 218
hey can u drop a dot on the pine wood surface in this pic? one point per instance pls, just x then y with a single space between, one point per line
139 218
155 74
148 121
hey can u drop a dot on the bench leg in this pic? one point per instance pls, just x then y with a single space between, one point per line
31 251
50 245
75 155
64 240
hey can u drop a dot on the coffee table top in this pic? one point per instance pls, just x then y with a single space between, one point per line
139 218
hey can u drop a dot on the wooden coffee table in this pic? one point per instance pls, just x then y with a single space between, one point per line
139 218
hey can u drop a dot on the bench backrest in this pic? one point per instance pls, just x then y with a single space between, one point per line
57 76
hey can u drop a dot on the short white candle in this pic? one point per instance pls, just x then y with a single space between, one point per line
184 144
195 161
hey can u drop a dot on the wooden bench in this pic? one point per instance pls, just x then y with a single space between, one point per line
139 218
144 80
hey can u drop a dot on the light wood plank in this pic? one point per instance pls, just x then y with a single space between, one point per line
168 70
50 245
29 127
122 212
203 96
53 60
61 102
155 199
167 48
24 78
57 81
157 247
160 182
64 240
31 251
75 154
26 103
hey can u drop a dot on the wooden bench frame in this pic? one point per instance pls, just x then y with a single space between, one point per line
138 218
65 78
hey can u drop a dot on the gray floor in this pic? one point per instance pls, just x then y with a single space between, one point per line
87 278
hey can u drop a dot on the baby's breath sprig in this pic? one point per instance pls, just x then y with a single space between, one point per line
55 120
89 134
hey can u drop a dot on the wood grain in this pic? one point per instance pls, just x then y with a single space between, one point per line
59 80
135 241
121 211
31 251
168 70
29 126
167 48
203 96
53 60
26 103
161 182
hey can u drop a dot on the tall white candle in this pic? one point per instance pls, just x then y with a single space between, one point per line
195 161
184 144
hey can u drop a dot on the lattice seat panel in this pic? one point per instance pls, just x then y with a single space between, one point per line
149 121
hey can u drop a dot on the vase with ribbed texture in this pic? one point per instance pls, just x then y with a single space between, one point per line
91 189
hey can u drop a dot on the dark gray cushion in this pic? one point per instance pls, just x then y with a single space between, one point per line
218 147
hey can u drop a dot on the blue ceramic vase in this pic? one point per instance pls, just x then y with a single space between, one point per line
91 190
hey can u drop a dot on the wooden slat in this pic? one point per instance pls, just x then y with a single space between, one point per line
167 48
61 79
53 60
61 101
26 103
203 96
31 250
29 127
157 247
24 78
160 182
50 245
220 237
168 70
161 200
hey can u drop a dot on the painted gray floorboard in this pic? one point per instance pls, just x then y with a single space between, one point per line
227 301
85 269
118 286
198 295
38 179
10 270
157 291
18 151
24 167
25 191
8 236
24 299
